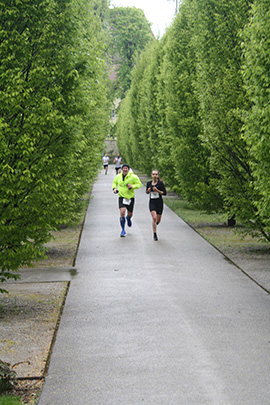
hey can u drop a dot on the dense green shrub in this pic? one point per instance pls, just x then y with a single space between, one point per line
256 71
7 377
53 120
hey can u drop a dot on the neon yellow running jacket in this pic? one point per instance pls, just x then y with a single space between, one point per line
130 178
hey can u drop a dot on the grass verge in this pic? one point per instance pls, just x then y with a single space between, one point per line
36 307
10 400
213 227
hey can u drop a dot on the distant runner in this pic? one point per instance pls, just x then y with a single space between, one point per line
118 161
105 160
125 183
156 189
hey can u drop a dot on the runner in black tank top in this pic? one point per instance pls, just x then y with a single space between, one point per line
156 189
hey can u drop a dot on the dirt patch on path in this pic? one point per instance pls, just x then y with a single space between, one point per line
30 313
28 317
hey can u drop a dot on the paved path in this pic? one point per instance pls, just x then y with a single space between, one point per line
167 322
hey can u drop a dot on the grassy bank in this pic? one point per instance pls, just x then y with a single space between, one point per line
36 307
213 227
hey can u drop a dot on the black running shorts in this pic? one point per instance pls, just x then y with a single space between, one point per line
156 204
124 202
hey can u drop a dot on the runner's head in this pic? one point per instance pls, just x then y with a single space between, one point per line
125 168
155 174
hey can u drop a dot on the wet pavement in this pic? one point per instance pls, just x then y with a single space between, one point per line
167 322
45 275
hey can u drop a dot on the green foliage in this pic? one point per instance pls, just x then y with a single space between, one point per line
198 109
138 113
53 120
137 138
191 176
100 8
10 400
150 107
161 124
140 98
222 98
256 72
130 32
123 130
7 377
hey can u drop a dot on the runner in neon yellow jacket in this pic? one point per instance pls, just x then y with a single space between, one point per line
125 184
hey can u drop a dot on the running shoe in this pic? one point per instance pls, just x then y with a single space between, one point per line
129 221
123 234
155 236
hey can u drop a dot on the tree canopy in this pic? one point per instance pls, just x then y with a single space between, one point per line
53 119
256 73
198 109
130 33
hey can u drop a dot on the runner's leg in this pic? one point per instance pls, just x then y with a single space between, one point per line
154 221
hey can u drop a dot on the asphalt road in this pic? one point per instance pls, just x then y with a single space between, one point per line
167 322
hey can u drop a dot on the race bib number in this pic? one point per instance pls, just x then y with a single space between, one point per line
154 194
126 201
